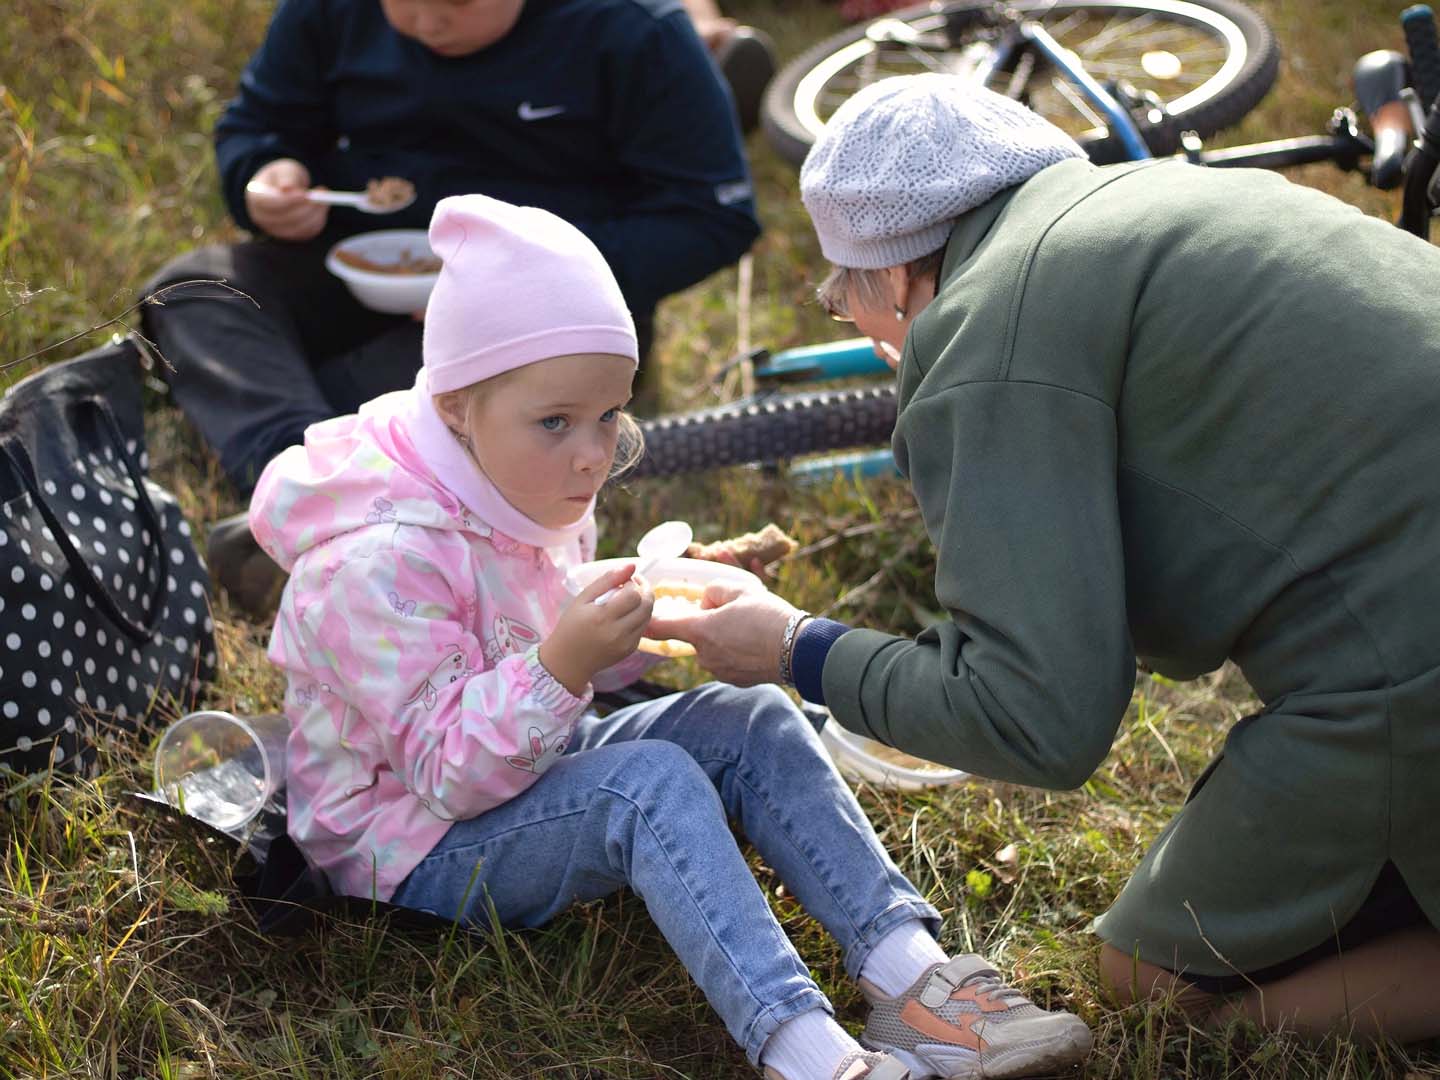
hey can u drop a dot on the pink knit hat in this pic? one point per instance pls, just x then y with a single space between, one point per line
518 285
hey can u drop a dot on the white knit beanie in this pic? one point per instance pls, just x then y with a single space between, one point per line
517 285
905 156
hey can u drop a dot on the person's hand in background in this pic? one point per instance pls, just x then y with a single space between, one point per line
275 200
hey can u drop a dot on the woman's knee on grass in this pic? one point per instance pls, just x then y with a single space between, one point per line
1128 980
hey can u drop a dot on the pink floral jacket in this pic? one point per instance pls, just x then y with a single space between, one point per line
409 631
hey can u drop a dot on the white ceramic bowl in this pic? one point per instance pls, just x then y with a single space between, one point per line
858 758
394 294
686 573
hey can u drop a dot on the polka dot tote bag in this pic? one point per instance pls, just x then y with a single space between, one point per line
104 602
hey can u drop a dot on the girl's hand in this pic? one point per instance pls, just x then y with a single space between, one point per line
736 633
275 200
591 637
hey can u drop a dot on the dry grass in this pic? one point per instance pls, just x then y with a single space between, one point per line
123 950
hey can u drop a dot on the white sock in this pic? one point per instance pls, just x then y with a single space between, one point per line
901 957
807 1047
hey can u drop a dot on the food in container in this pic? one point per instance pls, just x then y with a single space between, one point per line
678 584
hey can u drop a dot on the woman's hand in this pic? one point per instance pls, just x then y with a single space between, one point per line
275 200
736 633
590 637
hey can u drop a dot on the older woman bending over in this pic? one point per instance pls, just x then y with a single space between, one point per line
1191 414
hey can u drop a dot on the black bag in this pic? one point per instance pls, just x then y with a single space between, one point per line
104 602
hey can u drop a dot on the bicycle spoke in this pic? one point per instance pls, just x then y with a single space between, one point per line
926 59
1134 65
1110 30
1142 79
1157 37
1077 102
1191 56
1059 30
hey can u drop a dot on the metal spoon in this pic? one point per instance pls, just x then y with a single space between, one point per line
668 540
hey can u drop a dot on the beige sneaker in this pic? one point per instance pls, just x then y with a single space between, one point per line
860 1065
960 1020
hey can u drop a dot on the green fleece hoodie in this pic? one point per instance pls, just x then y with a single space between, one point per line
1192 415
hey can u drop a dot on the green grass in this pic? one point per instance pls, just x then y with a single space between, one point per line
123 951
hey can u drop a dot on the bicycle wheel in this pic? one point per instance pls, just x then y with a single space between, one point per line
776 427
1208 62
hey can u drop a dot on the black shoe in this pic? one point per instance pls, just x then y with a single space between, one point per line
747 60
240 566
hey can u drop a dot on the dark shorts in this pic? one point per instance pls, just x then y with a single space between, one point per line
1389 907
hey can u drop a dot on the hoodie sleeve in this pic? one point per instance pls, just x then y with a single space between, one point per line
1031 674
461 737
282 109
626 671
673 130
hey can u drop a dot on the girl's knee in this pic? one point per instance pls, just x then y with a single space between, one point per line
765 705
777 720
661 781
761 724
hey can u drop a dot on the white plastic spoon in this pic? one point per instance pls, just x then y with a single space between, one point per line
668 540
358 199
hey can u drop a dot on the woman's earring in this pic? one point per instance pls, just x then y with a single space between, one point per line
462 439
899 313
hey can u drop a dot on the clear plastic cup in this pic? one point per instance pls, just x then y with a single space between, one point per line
221 768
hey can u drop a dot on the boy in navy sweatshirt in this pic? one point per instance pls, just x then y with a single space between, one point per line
608 113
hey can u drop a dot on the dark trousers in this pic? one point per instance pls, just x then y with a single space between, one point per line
281 346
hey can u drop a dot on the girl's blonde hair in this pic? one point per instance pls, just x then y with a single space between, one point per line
629 447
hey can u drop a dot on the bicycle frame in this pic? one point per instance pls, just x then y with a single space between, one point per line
1032 34
821 363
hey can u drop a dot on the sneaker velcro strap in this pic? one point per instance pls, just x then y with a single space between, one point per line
892 1068
947 978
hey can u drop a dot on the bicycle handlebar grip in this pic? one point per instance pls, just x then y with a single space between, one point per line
1391 126
1380 79
1419 24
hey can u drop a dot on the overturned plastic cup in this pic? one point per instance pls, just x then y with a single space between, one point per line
221 768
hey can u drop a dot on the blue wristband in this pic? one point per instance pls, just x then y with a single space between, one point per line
807 661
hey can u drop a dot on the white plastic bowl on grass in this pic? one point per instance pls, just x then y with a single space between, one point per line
857 758
393 294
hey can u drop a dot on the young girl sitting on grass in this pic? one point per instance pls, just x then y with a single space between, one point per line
444 756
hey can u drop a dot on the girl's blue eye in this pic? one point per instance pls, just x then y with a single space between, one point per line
553 423
609 415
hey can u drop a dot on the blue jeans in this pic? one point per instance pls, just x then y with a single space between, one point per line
642 798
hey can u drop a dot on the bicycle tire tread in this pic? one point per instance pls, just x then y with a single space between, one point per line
768 430
1419 26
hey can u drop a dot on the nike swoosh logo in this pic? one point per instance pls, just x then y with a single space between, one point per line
530 112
